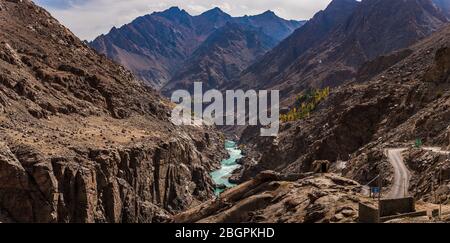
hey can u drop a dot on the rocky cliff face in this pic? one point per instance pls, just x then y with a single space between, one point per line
430 175
81 140
331 47
408 100
155 46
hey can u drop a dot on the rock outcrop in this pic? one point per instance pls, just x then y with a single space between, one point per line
275 198
430 175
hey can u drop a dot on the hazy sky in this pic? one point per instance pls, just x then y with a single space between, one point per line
90 18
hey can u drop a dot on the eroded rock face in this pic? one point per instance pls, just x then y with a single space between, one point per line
275 198
440 72
143 182
430 175
81 140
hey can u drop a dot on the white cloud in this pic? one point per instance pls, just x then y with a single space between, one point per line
90 18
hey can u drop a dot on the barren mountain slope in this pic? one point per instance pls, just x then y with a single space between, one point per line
221 58
81 140
407 101
329 49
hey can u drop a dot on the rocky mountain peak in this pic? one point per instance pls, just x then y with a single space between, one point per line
339 5
221 57
214 13
269 14
175 14
378 24
172 11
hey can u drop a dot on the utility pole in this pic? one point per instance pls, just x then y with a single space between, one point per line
440 198
404 189
380 185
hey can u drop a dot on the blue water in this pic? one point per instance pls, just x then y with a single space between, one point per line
221 176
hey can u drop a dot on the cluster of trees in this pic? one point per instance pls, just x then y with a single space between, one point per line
305 104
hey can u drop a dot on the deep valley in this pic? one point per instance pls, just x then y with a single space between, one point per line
86 134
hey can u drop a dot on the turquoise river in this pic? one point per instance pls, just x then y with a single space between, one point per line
222 175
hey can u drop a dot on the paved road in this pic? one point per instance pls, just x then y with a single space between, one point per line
436 150
400 185
402 175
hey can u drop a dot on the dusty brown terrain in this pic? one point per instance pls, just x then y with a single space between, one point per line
81 140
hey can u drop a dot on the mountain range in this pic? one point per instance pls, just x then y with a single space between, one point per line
221 58
156 47
330 48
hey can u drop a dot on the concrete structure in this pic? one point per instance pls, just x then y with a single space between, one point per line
406 215
388 209
368 214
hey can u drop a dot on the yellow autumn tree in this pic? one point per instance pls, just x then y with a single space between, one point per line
305 104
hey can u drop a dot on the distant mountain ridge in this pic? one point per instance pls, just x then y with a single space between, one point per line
155 46
221 58
330 48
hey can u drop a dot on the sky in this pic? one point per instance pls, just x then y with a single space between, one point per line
91 18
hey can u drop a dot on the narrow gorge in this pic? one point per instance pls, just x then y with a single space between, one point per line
222 176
